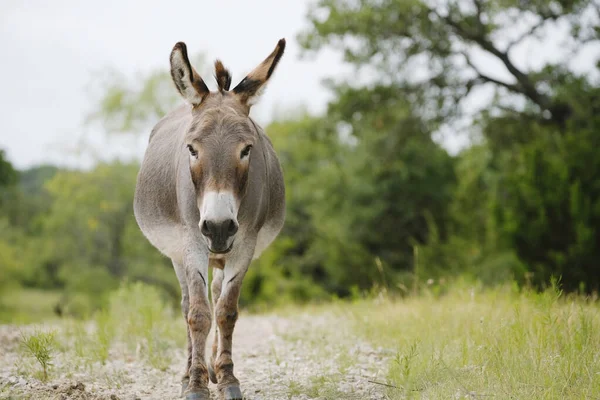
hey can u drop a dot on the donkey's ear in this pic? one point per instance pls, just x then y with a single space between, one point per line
186 79
249 89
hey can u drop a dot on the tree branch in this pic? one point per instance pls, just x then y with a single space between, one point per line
479 11
525 87
488 79
531 31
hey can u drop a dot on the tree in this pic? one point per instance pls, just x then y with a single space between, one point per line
536 134
133 105
9 260
8 175
384 184
550 205
444 39
91 240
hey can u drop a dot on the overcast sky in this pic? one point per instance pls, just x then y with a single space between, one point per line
52 49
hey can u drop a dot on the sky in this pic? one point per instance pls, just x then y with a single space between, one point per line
57 48
53 51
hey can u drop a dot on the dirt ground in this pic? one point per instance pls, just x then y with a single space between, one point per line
275 358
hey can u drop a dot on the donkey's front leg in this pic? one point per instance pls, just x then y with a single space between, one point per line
226 314
199 321
217 282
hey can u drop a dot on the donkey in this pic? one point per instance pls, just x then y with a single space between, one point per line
210 193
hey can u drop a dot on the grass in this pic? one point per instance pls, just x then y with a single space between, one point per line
148 325
105 324
473 343
23 306
461 341
138 324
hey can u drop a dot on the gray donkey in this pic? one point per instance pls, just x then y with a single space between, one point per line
210 193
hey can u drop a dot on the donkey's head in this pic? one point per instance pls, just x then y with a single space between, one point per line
219 141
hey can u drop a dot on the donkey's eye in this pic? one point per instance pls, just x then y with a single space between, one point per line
193 152
246 151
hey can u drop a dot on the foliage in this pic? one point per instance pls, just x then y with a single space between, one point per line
390 178
523 206
551 210
8 175
444 40
127 104
9 257
80 237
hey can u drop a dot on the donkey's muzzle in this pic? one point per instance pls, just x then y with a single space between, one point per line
219 233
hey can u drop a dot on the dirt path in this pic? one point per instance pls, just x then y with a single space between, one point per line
275 358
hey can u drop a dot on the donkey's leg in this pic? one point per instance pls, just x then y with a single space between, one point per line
226 314
185 309
199 321
216 283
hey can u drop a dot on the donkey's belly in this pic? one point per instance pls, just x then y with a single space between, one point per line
167 238
265 237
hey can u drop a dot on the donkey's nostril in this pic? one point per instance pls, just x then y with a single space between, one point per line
219 230
233 228
205 229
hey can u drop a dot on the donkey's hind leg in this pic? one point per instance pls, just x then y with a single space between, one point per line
185 308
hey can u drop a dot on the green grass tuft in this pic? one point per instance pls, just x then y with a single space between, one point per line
40 345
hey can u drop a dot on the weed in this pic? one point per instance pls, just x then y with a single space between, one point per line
275 355
117 379
105 332
404 360
144 321
344 360
40 345
294 388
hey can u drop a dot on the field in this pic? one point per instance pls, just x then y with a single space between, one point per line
461 342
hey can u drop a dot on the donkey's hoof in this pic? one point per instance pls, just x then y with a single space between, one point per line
203 394
184 385
232 393
211 374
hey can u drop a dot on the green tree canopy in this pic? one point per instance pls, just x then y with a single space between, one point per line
442 40
524 188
